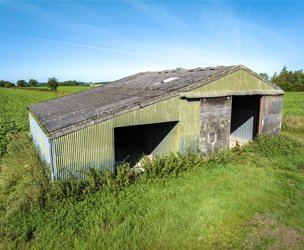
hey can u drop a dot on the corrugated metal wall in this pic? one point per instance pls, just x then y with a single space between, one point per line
94 146
246 123
40 139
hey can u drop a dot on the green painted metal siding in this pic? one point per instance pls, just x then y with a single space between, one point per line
239 82
94 146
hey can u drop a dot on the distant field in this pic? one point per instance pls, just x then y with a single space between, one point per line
293 115
294 103
13 103
69 89
72 89
13 113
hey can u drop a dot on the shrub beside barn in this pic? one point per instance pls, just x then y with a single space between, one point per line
154 113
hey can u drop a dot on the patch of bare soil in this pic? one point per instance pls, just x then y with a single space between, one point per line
268 233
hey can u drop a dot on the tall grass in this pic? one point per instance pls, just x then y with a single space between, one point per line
293 116
207 208
294 103
24 179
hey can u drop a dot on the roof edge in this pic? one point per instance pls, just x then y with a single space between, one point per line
38 122
208 94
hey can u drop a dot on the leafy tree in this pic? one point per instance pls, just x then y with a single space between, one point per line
33 82
52 83
21 83
289 80
70 83
8 84
264 76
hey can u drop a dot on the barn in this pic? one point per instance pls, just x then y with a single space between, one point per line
154 113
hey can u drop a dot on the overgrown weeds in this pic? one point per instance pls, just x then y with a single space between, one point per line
24 182
171 165
293 124
104 180
95 180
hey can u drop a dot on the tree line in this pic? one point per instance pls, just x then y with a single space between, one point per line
52 83
287 80
19 83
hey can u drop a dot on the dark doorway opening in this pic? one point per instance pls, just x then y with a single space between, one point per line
132 142
244 117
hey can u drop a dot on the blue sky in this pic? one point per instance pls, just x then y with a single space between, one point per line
107 40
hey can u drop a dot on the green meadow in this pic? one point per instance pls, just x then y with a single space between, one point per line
13 103
67 89
250 197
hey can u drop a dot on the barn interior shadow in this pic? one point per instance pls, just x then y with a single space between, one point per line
244 117
132 142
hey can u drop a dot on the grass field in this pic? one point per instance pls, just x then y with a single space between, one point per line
13 114
13 103
248 198
294 103
68 89
293 118
72 89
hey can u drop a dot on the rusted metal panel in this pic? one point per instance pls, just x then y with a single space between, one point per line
215 123
271 114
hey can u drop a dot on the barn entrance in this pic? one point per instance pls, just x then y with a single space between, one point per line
244 118
132 142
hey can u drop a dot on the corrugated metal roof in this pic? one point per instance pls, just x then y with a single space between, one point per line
69 113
